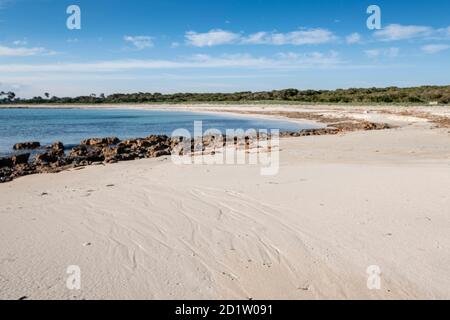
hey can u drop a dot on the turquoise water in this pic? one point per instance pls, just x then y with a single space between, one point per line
70 126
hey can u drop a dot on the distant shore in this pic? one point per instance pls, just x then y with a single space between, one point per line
426 94
261 109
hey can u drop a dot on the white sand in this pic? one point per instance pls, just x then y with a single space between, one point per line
338 205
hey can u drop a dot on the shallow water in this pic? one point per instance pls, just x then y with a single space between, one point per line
70 126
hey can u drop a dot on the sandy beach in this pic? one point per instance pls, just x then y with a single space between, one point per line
150 229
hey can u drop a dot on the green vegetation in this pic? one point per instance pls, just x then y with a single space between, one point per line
391 95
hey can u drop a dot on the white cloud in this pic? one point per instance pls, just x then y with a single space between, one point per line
212 38
399 32
23 42
300 37
353 38
281 61
373 53
441 34
175 44
140 42
395 32
256 38
23 52
221 37
389 52
447 31
435 48
312 58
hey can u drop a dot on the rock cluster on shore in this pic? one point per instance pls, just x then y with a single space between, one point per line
27 145
54 158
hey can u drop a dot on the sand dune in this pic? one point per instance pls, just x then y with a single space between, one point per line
149 229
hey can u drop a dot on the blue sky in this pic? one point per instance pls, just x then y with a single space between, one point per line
220 46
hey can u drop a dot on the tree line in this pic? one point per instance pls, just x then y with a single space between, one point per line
413 95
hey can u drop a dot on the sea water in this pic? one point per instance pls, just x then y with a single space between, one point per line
70 126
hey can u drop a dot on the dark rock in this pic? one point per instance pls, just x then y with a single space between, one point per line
6 174
118 153
128 157
74 161
21 158
109 154
6 162
287 134
100 141
87 153
79 151
123 147
45 158
24 169
134 144
161 153
54 156
360 125
27 145
318 132
142 144
153 139
57 148
159 150
136 149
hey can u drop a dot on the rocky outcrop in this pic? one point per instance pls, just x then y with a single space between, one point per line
57 148
111 149
100 141
53 154
150 147
6 174
24 169
311 132
20 159
359 125
45 158
27 145
6 162
86 153
14 166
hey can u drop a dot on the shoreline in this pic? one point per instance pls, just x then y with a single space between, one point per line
235 115
159 107
94 150
229 107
